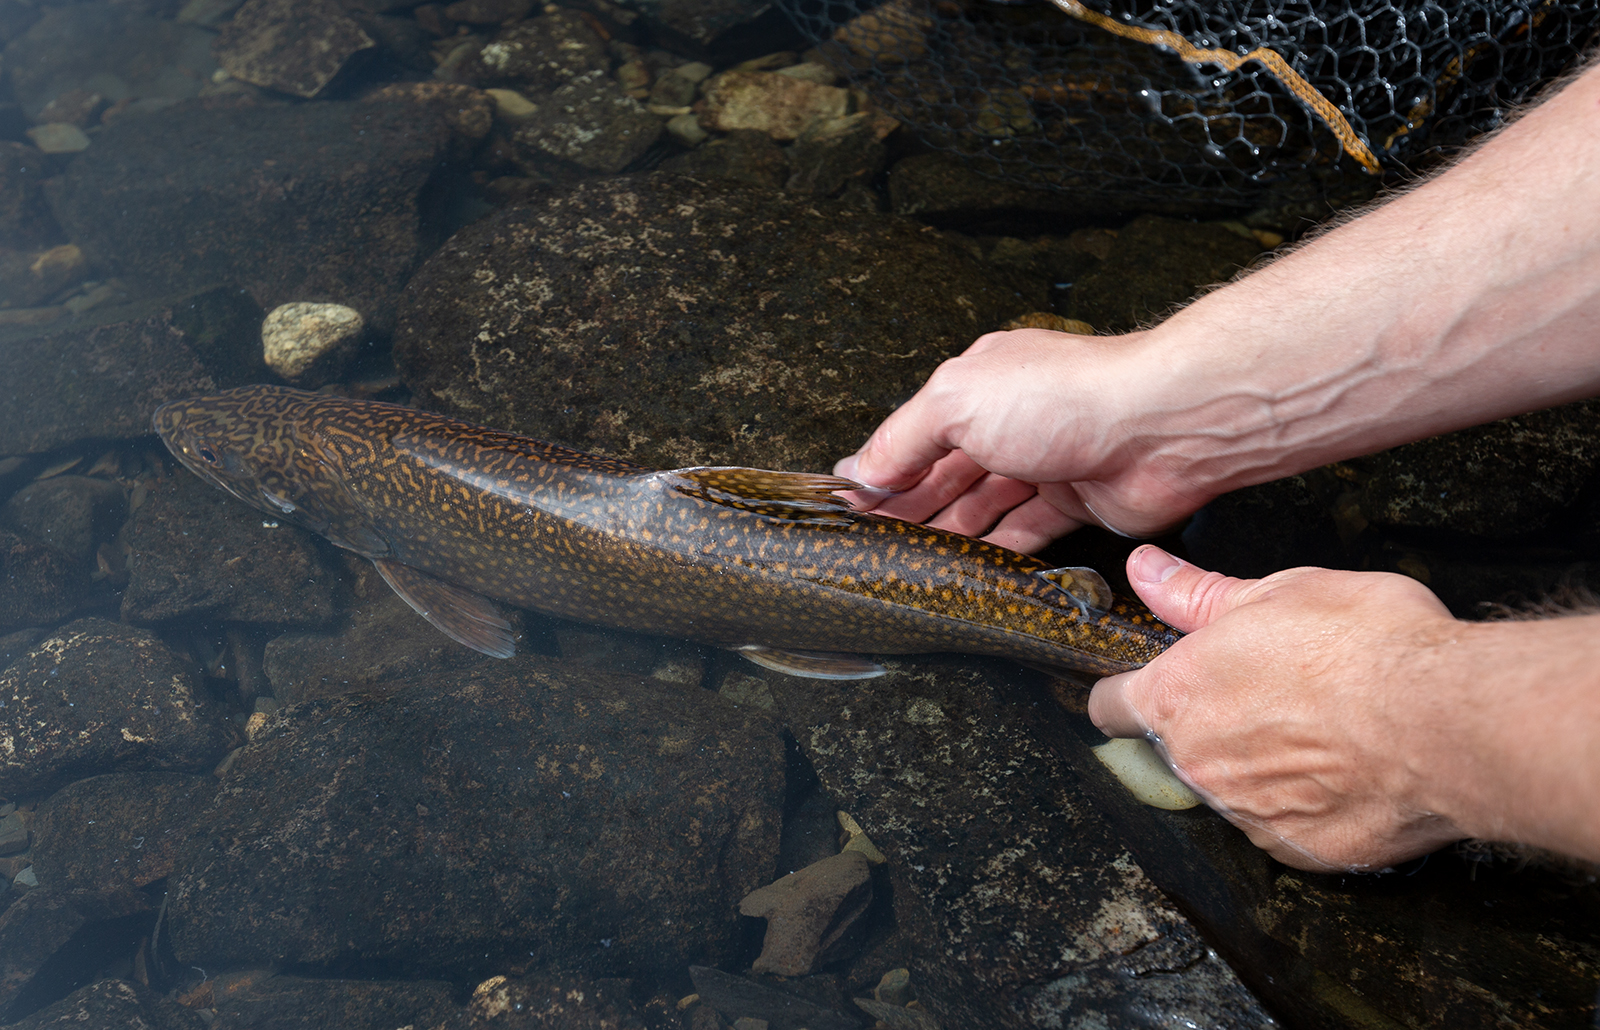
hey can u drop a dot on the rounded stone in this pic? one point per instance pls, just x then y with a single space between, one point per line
305 341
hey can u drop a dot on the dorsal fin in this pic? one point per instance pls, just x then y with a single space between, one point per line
1086 587
798 496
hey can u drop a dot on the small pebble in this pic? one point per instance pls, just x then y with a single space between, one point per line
26 880
58 138
685 128
297 337
894 988
511 105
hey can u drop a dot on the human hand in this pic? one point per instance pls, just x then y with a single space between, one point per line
1027 435
1312 708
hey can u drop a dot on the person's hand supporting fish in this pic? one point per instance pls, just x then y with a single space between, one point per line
1343 719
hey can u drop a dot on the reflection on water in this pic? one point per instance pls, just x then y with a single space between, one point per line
245 785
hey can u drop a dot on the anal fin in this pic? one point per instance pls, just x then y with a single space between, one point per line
467 618
817 665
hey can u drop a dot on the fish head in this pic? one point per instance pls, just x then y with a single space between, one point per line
254 443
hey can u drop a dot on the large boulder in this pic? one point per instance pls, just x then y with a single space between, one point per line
104 375
307 202
673 321
99 697
517 813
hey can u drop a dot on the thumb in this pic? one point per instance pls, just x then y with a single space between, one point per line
1182 595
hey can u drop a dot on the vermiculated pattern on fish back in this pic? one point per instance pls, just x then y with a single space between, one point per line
735 557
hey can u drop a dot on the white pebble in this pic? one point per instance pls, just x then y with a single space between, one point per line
1135 763
295 336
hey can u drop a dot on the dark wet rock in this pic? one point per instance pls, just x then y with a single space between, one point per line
1500 479
383 639
589 122
117 830
14 833
521 812
566 1001
29 278
737 997
771 331
99 697
540 54
103 375
743 155
838 151
16 17
466 112
943 189
307 202
295 46
112 1005
1055 259
488 12
24 218
108 49
1445 941
1155 265
260 1000
810 826
1261 529
699 26
196 551
44 923
39 584
74 514
810 913
1007 882
16 644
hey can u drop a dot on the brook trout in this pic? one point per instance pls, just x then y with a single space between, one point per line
456 516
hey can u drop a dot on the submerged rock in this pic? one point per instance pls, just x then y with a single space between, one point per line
1022 907
1154 265
309 202
589 122
36 936
99 697
39 584
260 1000
296 46
125 56
24 219
1499 479
540 54
678 322
103 375
118 830
565 1000
809 913
516 812
74 514
196 551
308 344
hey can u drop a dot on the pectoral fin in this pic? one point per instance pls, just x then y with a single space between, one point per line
817 665
463 616
798 496
1086 587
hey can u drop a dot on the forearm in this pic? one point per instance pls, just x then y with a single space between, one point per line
1507 718
1472 297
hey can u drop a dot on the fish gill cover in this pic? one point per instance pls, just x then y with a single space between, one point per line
1192 100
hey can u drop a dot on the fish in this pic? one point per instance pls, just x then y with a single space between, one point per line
460 518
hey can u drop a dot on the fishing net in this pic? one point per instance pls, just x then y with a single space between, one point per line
1209 100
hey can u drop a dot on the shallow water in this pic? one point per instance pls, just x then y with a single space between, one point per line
246 785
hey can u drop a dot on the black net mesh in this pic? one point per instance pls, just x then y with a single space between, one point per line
1198 99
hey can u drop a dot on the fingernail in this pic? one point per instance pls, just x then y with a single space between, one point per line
845 468
1153 565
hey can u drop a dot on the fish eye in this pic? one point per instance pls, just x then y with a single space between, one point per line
207 455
